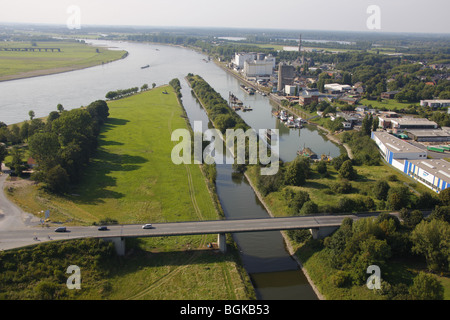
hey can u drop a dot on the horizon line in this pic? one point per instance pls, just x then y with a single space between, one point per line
374 32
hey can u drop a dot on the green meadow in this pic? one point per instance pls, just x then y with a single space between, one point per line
132 179
74 55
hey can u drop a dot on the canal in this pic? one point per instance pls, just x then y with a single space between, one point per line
274 273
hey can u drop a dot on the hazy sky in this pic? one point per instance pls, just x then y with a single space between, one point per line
394 15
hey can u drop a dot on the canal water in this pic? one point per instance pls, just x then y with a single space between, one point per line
274 273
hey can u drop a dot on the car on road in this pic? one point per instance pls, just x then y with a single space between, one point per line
102 228
61 229
147 226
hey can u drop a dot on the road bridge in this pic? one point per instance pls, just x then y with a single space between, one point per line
320 226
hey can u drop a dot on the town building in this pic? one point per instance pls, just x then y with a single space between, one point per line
389 94
307 97
435 103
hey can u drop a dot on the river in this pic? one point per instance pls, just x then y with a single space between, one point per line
274 273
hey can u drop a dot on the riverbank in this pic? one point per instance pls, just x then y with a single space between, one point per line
285 237
72 56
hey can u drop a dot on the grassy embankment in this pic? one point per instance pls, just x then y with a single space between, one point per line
132 180
73 56
314 257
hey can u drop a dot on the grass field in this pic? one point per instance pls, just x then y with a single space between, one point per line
73 55
320 188
390 104
133 180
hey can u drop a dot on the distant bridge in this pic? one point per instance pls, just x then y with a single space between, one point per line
320 226
32 49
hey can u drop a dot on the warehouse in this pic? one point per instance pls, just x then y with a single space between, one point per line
403 124
394 150
437 135
435 174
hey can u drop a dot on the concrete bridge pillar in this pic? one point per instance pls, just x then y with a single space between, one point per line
222 242
119 244
320 233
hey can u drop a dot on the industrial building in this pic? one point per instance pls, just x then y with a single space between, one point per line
405 124
286 75
433 173
432 135
240 58
335 88
262 66
394 150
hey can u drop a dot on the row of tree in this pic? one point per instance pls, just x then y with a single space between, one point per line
216 106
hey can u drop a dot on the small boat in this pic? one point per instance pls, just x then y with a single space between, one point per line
145 67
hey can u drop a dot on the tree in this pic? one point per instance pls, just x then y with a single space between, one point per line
444 197
296 200
57 179
297 171
366 127
432 240
347 171
309 207
426 287
381 189
153 85
17 163
3 154
411 219
31 114
441 213
60 108
322 167
398 198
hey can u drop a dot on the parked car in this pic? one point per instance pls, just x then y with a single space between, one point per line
103 228
61 229
147 226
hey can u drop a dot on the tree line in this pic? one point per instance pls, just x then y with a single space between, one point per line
217 107
61 146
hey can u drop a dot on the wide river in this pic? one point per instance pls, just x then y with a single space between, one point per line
274 273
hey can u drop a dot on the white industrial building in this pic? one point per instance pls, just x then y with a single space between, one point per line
395 150
433 173
240 58
337 88
259 67
411 160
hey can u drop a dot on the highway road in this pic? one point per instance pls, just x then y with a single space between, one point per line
33 235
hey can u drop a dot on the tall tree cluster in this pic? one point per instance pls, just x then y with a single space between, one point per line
66 144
